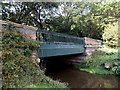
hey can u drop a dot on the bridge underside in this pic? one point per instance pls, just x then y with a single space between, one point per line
55 49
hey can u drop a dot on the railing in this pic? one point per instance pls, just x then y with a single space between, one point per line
48 36
55 44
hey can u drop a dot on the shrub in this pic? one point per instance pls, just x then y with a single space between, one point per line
27 52
103 57
116 69
18 69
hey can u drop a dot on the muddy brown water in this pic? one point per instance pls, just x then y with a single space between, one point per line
79 79
58 70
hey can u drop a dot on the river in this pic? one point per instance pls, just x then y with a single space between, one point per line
79 79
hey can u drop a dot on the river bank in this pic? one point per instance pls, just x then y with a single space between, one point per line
81 79
93 74
103 61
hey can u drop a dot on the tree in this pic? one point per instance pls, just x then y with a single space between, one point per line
29 13
83 19
94 18
110 35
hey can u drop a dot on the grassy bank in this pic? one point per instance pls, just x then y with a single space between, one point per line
94 70
103 61
49 84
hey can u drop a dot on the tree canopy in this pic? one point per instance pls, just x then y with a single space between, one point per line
83 19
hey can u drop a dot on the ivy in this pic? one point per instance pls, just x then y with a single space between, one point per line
18 69
27 52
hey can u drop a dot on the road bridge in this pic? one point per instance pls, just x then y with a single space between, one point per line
57 44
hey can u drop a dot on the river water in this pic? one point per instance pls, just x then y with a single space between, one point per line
79 79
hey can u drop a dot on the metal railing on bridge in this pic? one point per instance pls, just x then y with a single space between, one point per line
56 44
48 36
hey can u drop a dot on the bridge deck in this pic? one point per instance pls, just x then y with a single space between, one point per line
54 49
57 44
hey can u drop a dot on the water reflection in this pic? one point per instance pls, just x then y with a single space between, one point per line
80 79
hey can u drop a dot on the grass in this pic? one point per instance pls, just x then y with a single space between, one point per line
42 85
96 63
54 84
95 70
49 83
98 60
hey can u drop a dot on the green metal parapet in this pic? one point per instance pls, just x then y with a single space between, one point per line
48 36
56 44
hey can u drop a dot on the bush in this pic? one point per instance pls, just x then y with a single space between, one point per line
27 52
18 69
116 69
103 57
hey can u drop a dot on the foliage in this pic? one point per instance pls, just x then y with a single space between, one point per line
30 13
18 69
96 64
105 56
27 52
16 65
10 39
99 60
116 69
110 35
92 69
29 44
84 19
49 83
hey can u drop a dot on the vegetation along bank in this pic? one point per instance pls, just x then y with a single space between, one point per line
19 70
